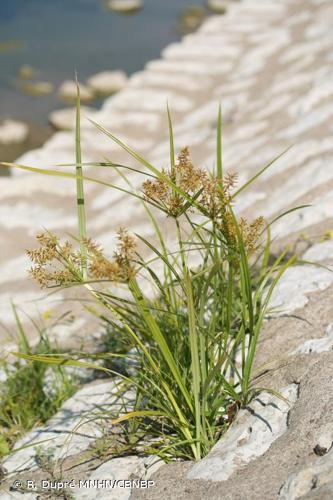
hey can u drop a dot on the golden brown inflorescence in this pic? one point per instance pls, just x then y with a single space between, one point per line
185 176
121 267
210 195
49 261
251 232
58 263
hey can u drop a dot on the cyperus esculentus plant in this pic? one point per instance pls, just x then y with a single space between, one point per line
194 339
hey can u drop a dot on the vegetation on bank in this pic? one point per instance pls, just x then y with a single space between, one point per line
30 392
189 316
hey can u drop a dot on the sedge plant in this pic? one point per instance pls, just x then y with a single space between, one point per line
192 342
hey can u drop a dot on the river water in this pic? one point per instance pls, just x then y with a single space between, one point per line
58 36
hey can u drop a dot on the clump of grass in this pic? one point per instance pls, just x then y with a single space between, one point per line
194 342
32 391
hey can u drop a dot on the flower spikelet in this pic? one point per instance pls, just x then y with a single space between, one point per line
185 176
54 263
251 232
125 253
118 269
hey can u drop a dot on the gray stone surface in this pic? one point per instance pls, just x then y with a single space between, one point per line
322 344
296 284
77 425
314 477
119 469
309 423
254 430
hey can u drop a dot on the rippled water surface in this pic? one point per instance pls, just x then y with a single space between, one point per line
59 36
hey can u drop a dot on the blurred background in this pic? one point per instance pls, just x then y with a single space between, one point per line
42 42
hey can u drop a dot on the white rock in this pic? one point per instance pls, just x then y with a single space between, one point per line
15 269
322 344
202 51
308 102
146 121
200 67
64 119
16 495
246 199
249 130
320 252
249 437
311 175
302 482
124 6
294 82
299 18
298 50
76 425
68 92
13 132
25 215
317 30
119 469
196 137
205 116
320 210
96 141
292 290
274 105
147 99
324 436
161 79
296 156
107 82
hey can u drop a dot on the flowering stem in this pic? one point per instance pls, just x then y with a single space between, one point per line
79 190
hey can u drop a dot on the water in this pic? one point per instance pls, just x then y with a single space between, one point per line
59 36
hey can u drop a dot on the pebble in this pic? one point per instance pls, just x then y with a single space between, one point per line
68 92
65 119
13 132
37 89
106 83
124 6
191 18
217 6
